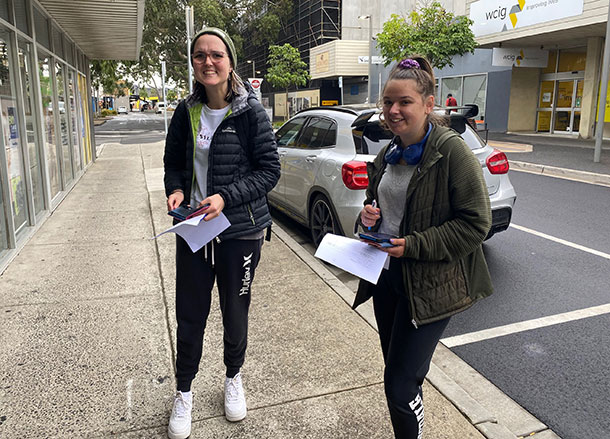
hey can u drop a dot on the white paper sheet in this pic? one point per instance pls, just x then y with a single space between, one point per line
355 257
197 232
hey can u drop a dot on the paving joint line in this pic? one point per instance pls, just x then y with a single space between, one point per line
160 268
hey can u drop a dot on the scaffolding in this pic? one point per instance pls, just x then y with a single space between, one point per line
314 22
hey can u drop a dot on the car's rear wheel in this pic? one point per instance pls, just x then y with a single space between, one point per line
321 219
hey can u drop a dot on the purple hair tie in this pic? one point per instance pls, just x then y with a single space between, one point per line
409 64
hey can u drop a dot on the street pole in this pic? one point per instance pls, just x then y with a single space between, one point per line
251 61
189 35
601 111
369 17
164 100
370 56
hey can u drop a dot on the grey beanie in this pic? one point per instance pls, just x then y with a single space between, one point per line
223 36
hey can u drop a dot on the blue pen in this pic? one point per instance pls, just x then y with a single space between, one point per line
374 204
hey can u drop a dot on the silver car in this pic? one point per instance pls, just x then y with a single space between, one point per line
323 154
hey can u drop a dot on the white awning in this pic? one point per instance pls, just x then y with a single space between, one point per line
103 29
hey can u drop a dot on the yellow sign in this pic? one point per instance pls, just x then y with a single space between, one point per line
330 102
322 64
607 115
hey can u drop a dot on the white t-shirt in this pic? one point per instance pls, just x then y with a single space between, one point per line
208 122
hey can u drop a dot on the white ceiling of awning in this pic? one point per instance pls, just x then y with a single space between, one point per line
103 29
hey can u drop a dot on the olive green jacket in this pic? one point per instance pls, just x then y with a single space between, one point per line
447 216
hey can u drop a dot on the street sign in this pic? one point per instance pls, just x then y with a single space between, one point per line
256 83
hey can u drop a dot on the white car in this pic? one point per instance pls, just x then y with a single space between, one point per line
160 108
323 154
122 110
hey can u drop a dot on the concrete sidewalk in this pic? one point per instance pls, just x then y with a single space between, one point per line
88 332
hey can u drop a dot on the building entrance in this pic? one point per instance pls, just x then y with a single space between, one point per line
561 89
559 106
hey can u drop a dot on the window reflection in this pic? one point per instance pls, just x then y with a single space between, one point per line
11 136
50 146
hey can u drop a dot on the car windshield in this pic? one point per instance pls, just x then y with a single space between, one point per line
371 138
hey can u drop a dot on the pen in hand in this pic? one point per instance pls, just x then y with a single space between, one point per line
374 204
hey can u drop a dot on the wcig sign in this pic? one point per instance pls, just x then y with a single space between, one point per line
492 16
526 57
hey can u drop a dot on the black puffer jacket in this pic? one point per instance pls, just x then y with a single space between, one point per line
242 176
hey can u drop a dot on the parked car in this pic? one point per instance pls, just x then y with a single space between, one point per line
323 154
122 110
160 108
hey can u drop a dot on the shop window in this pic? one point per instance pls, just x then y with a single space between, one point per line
74 121
544 121
565 90
58 46
572 61
41 23
475 88
21 13
11 135
4 11
48 110
547 88
63 124
69 47
453 86
84 114
552 64
25 68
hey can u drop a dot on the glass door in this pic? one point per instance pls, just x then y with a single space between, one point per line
563 112
545 106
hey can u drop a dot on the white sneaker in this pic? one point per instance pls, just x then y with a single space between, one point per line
235 400
180 421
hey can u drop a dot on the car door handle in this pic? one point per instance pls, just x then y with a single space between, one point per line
311 158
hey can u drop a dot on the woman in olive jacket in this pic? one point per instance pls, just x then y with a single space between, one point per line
427 189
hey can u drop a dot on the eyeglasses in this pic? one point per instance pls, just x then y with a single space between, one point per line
201 57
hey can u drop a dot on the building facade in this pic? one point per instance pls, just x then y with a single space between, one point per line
547 57
46 122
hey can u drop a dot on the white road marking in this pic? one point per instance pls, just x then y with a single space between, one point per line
562 241
527 325
513 328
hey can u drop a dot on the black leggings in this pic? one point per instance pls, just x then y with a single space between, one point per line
235 262
407 352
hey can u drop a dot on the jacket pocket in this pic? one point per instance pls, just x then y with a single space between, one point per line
439 288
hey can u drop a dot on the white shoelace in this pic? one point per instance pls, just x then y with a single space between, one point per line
182 406
233 388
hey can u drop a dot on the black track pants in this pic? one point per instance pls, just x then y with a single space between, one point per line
407 352
235 262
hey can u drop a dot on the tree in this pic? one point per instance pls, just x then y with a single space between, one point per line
287 69
110 75
431 32
164 36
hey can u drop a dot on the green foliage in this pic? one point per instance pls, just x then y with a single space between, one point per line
164 37
110 75
171 95
431 32
287 68
107 112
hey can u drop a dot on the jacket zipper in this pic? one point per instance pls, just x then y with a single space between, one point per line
251 215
